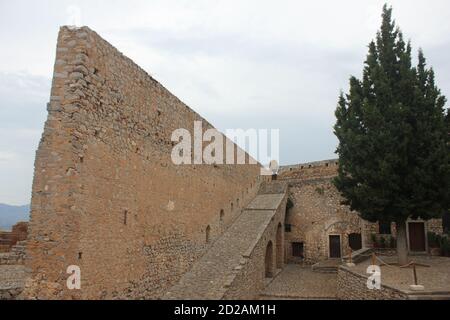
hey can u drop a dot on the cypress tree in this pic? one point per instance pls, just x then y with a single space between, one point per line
393 135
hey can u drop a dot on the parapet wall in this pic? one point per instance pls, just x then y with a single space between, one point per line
353 286
106 195
311 170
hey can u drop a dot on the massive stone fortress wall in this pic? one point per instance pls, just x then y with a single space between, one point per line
106 195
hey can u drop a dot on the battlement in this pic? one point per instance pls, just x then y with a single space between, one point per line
310 170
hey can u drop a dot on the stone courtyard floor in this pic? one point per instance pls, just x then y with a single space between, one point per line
299 282
434 278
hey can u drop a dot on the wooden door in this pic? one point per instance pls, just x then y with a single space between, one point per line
335 246
416 236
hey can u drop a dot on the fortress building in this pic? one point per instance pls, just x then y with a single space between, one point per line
107 197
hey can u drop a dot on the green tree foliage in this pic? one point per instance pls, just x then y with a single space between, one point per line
393 135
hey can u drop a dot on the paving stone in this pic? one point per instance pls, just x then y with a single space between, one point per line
300 282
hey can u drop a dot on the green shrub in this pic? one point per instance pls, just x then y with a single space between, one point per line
445 246
373 238
433 241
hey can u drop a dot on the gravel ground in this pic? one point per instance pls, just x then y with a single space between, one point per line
298 282
434 278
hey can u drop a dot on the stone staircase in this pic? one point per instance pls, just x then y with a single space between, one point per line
211 276
359 255
332 265
327 266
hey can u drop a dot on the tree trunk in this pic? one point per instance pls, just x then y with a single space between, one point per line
402 247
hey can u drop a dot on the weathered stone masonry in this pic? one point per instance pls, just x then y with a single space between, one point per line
317 213
106 195
244 258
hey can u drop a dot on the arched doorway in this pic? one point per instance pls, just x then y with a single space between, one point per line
280 250
355 241
269 260
208 231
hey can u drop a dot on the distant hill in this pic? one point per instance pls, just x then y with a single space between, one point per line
10 215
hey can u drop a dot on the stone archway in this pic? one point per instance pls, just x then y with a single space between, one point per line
269 260
280 250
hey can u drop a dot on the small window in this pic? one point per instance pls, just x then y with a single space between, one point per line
287 227
297 249
355 241
125 216
222 215
384 227
208 231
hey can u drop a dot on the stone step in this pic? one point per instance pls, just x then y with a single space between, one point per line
360 255
327 266
326 270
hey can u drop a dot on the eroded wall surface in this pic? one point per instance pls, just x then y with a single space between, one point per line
106 195
316 214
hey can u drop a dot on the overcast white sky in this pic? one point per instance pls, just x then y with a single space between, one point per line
240 64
